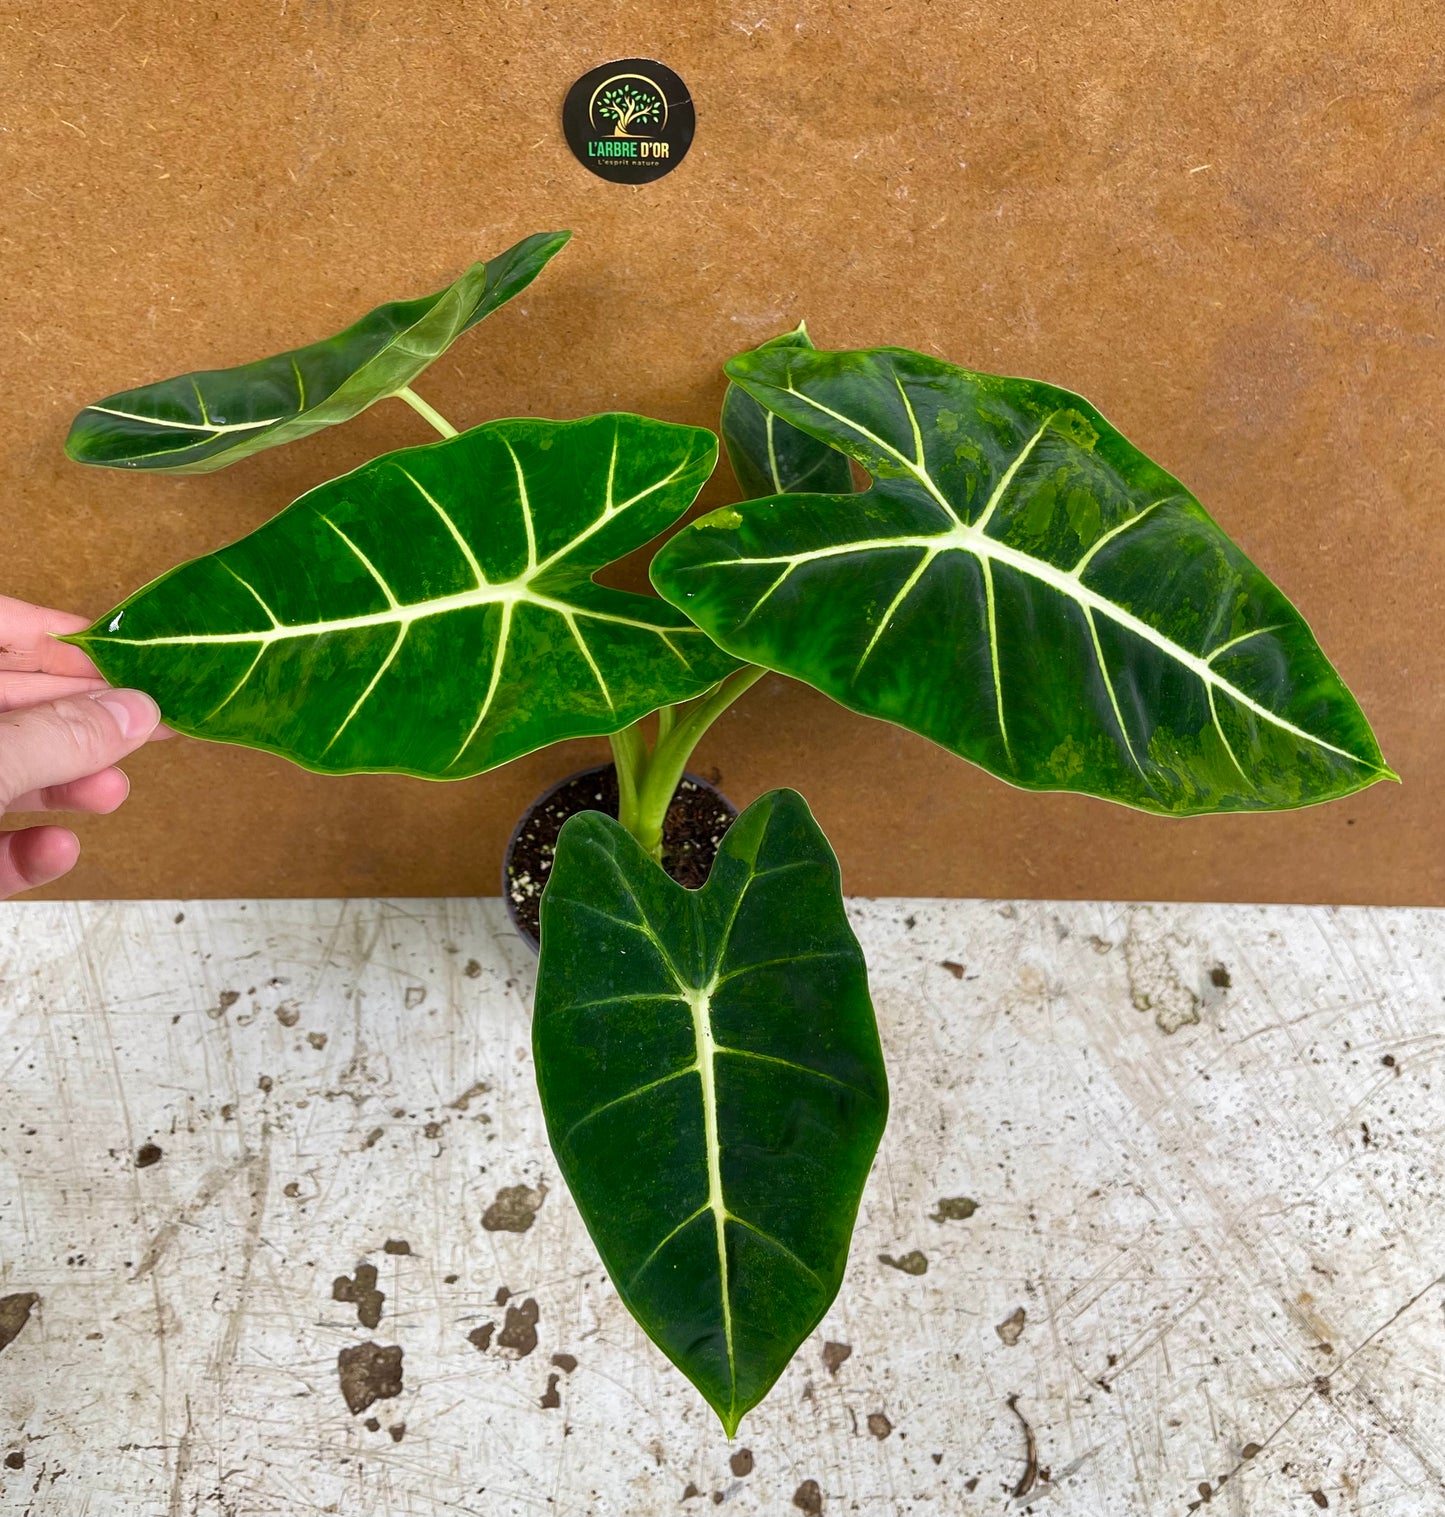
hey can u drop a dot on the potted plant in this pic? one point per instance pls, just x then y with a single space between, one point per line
1017 583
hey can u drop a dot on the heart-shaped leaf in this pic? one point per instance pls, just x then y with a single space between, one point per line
204 421
713 1086
769 456
1026 588
433 612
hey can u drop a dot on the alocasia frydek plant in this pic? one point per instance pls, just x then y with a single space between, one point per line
1018 583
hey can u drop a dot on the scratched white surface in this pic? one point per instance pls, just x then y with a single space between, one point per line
1225 1235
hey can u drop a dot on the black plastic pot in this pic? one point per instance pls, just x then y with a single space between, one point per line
687 857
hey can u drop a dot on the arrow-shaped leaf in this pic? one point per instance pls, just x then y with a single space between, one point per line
433 612
1026 588
204 421
713 1086
768 456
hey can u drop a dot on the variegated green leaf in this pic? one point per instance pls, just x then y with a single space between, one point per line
770 457
204 421
1026 588
714 1090
433 612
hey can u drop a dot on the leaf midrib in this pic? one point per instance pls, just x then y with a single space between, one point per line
966 538
515 592
700 1004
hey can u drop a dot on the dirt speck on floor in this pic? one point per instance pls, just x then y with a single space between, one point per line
1031 1452
1011 1329
466 1098
360 1290
514 1209
741 1463
480 1338
224 1002
16 1460
879 1425
519 1331
368 1372
397 1431
396 1246
834 1354
473 971
911 1263
953 967
565 1362
808 1498
14 1314
1157 984
550 1397
954 1209
147 1154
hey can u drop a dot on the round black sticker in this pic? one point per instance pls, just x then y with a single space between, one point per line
630 121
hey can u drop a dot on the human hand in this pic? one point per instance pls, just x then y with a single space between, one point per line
62 729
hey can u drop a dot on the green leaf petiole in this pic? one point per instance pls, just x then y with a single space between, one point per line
425 411
647 780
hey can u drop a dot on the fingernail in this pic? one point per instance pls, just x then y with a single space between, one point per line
134 711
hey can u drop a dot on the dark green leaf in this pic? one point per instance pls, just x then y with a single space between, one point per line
433 612
1026 588
770 457
204 421
714 1090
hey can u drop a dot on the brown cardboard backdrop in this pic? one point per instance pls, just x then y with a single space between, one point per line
1224 227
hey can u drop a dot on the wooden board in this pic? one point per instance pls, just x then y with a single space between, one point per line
1202 1260
1221 225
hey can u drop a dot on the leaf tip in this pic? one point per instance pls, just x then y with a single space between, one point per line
730 1417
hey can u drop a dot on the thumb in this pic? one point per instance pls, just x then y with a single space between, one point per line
64 740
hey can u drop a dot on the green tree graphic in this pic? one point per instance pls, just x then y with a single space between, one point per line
627 106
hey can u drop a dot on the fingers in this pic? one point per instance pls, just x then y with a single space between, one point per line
99 794
66 740
17 690
27 643
20 690
34 857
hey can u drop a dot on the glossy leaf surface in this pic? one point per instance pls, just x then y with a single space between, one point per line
714 1090
199 422
1023 586
432 612
771 457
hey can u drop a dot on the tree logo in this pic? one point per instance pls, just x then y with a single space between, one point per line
630 121
631 103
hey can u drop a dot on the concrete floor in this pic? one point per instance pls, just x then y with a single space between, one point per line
1202 1267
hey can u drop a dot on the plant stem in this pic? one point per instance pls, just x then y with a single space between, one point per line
661 770
420 406
629 754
